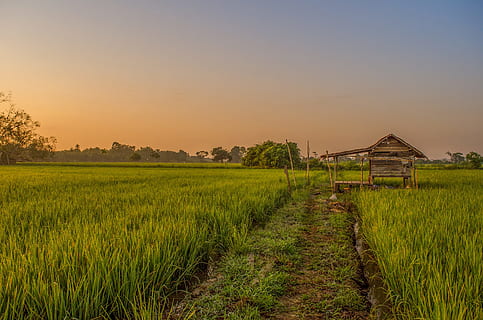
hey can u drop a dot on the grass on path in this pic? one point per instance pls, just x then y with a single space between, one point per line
301 265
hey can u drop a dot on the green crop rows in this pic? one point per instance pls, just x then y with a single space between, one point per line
429 244
107 242
113 241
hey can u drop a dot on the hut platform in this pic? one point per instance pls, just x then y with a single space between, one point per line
366 183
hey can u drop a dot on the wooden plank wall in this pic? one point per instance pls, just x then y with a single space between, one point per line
391 148
390 168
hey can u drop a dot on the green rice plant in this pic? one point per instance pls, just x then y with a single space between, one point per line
429 244
201 165
84 242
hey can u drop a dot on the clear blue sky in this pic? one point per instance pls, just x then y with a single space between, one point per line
197 74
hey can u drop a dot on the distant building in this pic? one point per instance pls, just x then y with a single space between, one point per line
390 156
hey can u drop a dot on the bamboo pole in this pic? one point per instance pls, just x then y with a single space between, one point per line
285 170
415 175
308 165
291 164
328 168
336 161
370 171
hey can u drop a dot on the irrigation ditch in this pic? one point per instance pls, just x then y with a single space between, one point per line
377 290
377 293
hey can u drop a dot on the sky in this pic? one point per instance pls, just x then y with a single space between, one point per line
194 75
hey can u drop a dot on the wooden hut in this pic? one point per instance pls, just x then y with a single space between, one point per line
390 156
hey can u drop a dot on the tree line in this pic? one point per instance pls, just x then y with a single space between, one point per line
122 152
19 141
266 155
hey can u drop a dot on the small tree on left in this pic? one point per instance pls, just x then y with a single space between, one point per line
18 139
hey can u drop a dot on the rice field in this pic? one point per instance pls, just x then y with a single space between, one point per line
429 244
84 242
112 241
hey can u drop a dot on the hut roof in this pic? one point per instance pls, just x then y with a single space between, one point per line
416 152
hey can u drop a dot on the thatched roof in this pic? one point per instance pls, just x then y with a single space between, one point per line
414 150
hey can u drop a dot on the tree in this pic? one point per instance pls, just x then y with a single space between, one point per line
237 153
220 154
270 154
155 155
135 157
18 139
474 159
122 148
202 154
121 152
456 157
182 156
147 153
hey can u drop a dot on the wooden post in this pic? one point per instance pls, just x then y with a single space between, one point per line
308 165
336 160
291 164
415 175
328 168
370 171
285 170
362 171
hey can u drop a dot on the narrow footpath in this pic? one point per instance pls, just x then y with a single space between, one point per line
301 264
327 283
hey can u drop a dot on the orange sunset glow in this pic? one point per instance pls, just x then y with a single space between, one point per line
194 75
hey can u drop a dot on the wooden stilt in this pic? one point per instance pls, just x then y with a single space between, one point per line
330 173
370 172
291 164
336 160
308 165
416 176
413 174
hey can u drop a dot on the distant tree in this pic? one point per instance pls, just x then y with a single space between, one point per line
237 153
155 155
168 156
147 153
121 152
220 155
474 159
202 154
182 156
456 157
314 162
118 147
18 139
135 157
270 154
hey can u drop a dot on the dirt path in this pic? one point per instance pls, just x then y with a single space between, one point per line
327 283
302 264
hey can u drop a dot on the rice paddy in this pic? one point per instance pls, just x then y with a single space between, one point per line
109 242
429 244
